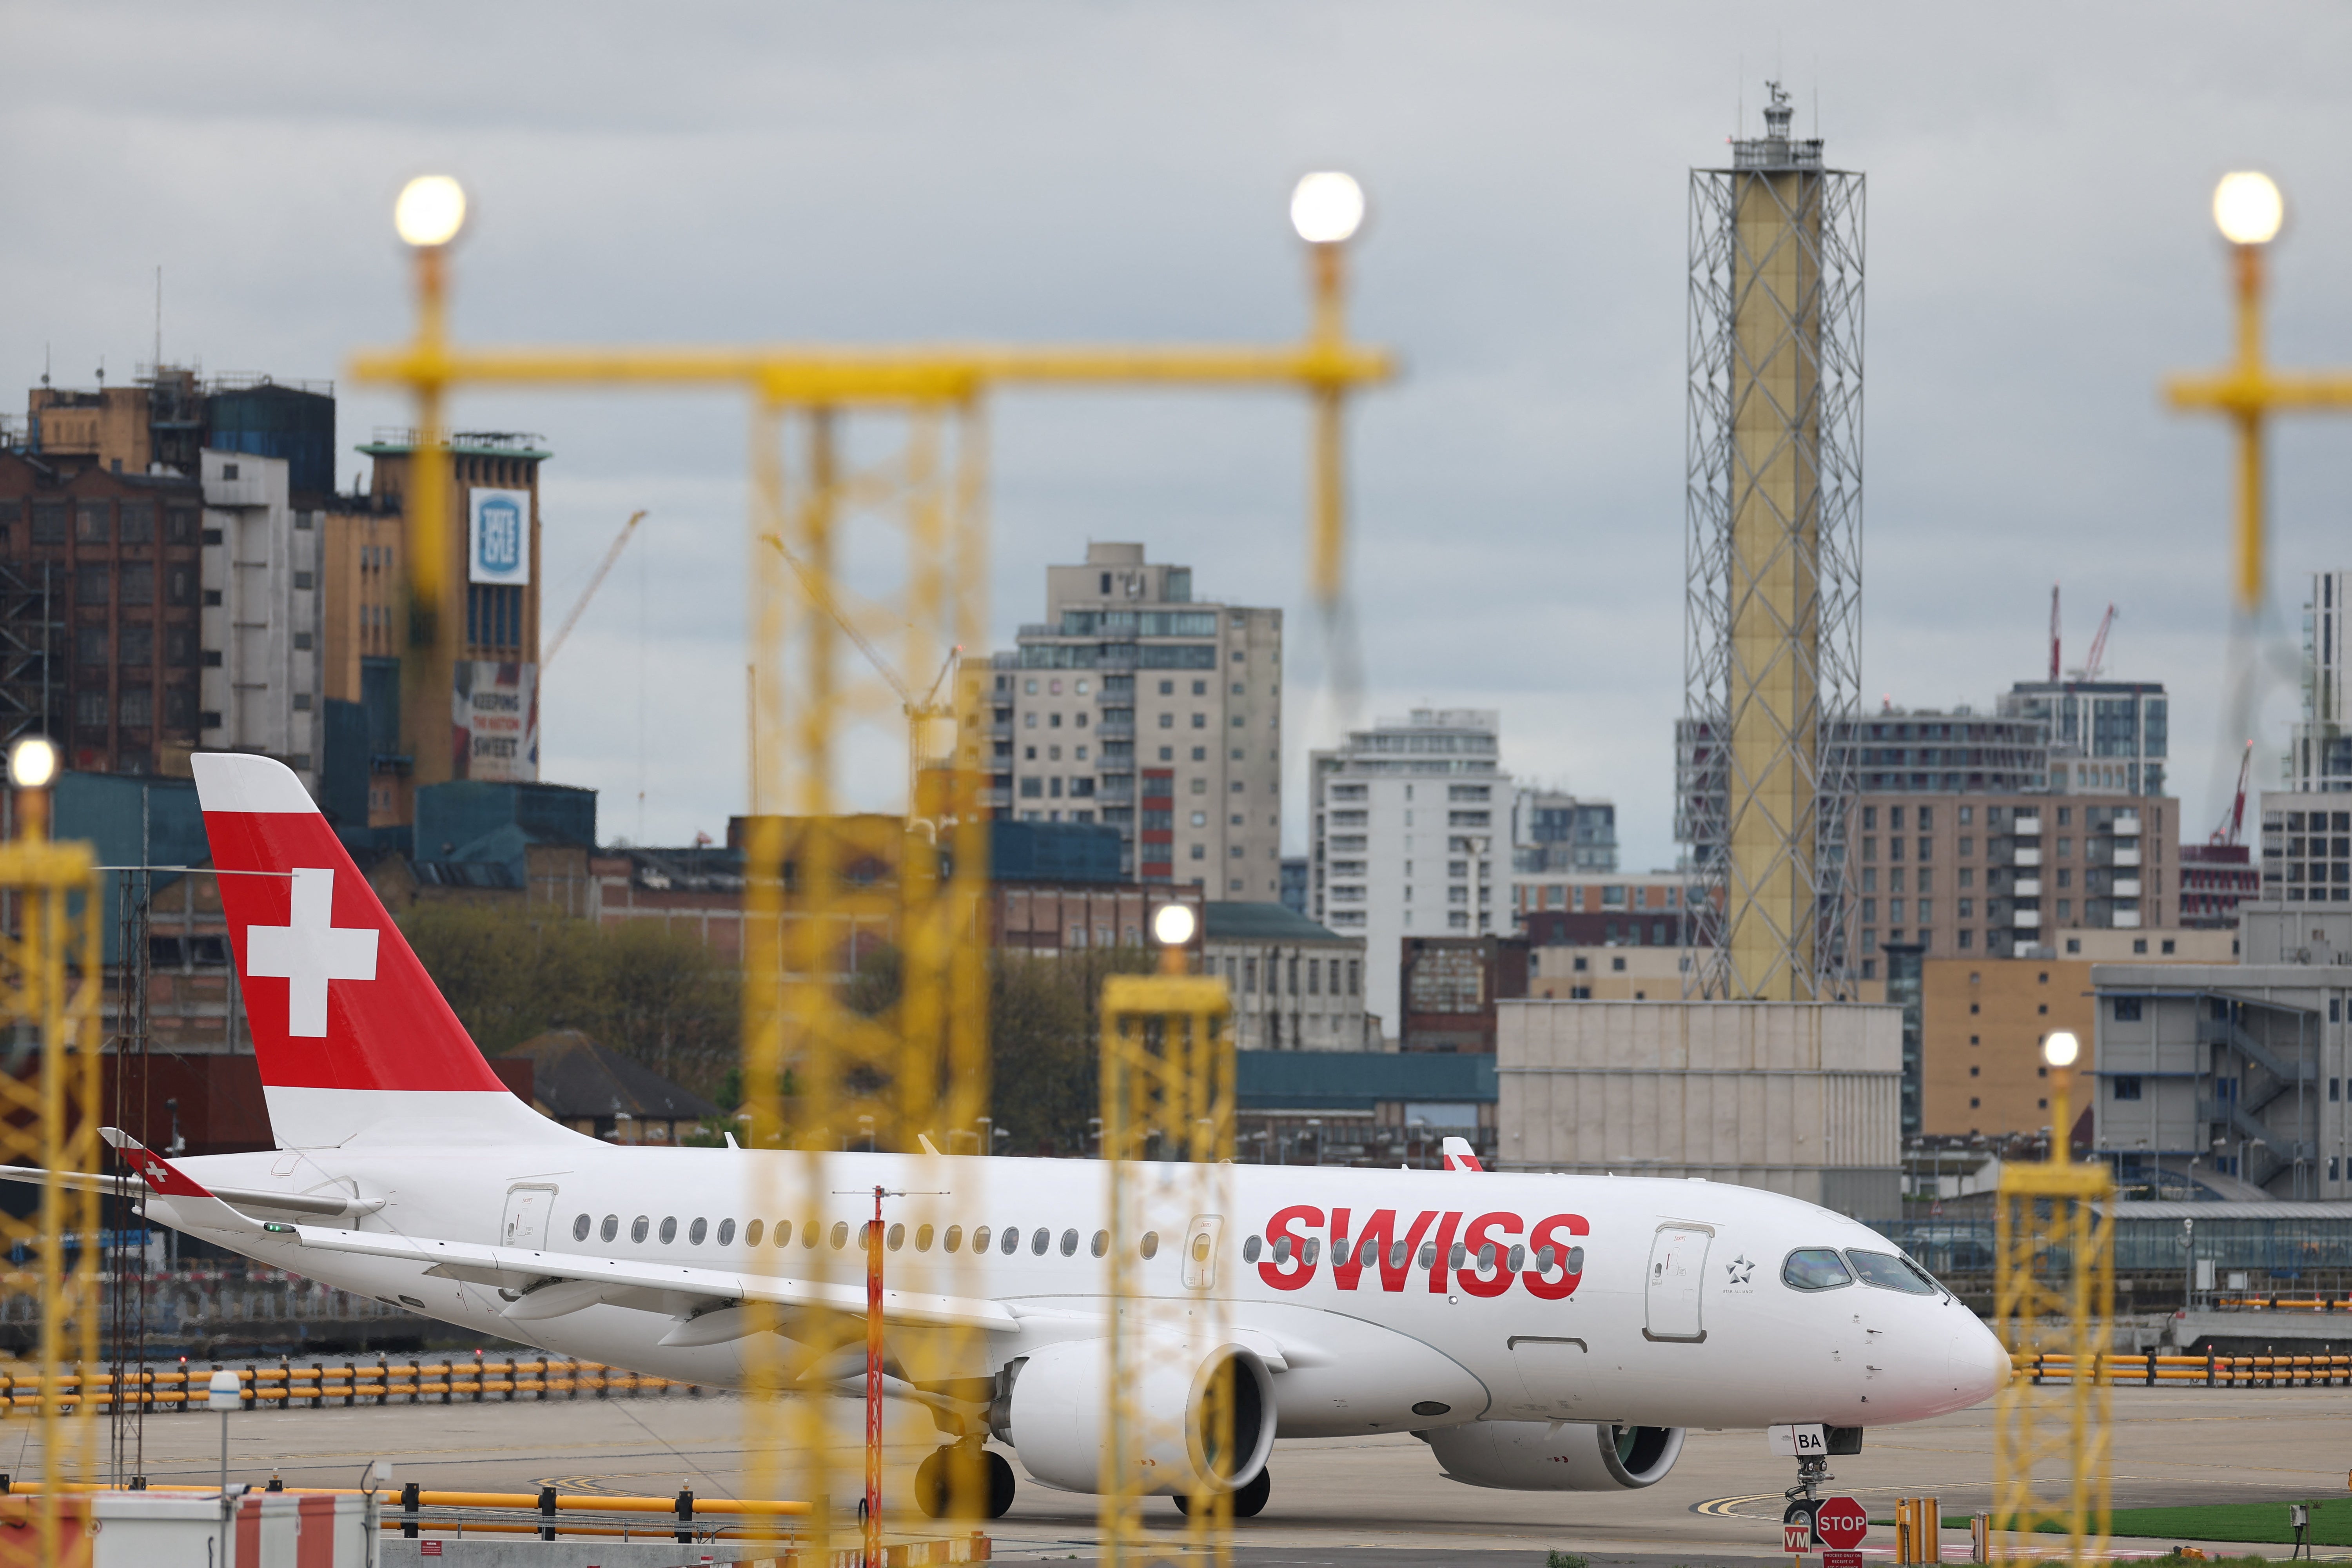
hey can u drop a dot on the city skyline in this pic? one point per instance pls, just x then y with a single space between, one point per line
2041 252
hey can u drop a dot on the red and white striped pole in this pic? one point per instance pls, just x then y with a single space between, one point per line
874 1387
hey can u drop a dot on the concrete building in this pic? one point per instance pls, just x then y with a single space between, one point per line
2001 874
1603 910
1449 986
1408 830
2236 1069
1794 1097
2106 737
1132 696
1979 1072
2214 879
1553 832
2306 847
264 666
1296 985
1571 973
2319 753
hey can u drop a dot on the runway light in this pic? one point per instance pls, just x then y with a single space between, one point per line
2061 1048
1173 926
2248 208
1326 209
33 763
431 210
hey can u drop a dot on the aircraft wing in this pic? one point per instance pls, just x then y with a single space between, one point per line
572 1281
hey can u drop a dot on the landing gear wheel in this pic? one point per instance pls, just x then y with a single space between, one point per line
1249 1502
932 1481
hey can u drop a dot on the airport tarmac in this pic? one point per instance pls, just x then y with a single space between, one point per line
1721 1502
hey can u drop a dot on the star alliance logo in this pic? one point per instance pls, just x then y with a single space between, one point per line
1739 1269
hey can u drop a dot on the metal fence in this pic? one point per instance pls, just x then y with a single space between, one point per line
2281 1248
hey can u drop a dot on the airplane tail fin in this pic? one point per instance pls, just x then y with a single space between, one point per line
1460 1156
352 1037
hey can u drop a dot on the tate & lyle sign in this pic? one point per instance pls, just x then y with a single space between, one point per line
498 537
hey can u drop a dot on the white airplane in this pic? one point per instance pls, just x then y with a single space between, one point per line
1539 1333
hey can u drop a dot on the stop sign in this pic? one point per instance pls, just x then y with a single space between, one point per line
1842 1523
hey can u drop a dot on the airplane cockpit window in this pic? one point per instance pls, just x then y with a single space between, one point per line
1892 1273
1815 1268
637 1228
610 1228
579 1227
668 1229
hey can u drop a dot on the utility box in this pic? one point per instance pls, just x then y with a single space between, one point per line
184 1530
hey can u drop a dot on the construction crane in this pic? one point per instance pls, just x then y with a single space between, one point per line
2098 660
595 583
2233 826
918 711
2053 634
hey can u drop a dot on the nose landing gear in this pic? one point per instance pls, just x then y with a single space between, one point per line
1804 1500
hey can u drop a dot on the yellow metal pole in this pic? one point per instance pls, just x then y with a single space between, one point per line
1326 542
2248 418
429 663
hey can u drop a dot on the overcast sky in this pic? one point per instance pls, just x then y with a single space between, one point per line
2040 253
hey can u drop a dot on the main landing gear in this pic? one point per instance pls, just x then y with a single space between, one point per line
987 1483
1249 1502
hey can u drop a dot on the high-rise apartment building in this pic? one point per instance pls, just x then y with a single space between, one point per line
2306 847
2106 737
1409 828
2320 756
1552 831
261 686
1134 704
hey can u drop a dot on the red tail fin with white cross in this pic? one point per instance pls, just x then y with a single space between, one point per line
353 1039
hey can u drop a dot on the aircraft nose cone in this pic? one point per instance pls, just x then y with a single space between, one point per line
1982 1366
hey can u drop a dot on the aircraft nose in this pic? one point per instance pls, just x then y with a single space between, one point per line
1980 1363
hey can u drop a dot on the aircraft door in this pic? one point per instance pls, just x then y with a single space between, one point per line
527 1211
1677 1266
1201 1238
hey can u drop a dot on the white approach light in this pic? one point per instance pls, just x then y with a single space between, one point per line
2248 208
1173 925
2061 1048
1326 209
33 763
431 210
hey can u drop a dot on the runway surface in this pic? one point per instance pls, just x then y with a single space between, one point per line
1353 1501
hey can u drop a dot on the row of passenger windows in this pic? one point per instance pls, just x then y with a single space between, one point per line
1007 1241
1822 1268
1489 1256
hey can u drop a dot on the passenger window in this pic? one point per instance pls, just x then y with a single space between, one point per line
1069 1243
1429 1255
809 1231
1249 1250
1011 1241
1815 1268
668 1229
1151 1248
897 1239
1890 1273
637 1228
923 1238
698 1231
1039 1240
579 1227
954 1238
611 1227
727 1232
751 1233
1101 1243
979 1236
1518 1258
1340 1252
840 1234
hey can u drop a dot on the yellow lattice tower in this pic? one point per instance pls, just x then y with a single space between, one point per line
865 980
1168 1132
52 969
2055 1295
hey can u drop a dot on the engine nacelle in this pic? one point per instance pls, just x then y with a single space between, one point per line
1058 1415
1548 1457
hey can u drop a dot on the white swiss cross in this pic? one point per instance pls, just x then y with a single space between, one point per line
310 950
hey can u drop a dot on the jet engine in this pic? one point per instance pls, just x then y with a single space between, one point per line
1555 1456
1058 1415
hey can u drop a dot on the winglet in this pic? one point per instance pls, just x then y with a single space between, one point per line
925 1140
163 1178
1460 1156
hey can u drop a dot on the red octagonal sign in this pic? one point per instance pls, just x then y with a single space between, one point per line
1842 1523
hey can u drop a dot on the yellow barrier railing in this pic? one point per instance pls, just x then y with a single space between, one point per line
2206 1370
351 1383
